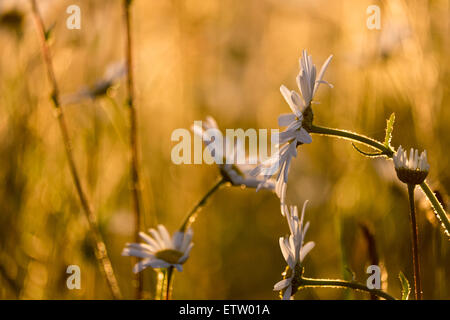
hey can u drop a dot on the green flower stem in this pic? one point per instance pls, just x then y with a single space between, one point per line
160 284
193 213
437 206
309 282
415 244
353 137
165 281
388 152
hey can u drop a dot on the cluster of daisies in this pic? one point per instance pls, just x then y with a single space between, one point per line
162 251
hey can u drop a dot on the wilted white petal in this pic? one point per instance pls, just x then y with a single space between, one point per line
280 285
287 293
179 267
303 136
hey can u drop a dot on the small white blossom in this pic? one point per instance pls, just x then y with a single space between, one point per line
160 250
292 248
225 152
412 170
414 162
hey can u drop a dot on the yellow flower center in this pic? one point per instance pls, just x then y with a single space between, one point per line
169 255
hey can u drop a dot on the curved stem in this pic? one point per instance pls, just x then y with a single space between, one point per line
388 152
309 282
192 215
437 206
415 244
99 247
353 137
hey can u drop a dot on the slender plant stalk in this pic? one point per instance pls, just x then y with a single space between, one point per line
388 152
353 137
169 281
309 282
134 161
437 206
415 244
192 215
99 248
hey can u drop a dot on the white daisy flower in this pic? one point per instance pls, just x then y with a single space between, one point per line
295 133
293 250
278 164
414 162
225 157
412 170
160 250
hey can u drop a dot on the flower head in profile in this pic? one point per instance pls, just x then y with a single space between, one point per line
160 250
295 133
412 170
113 73
294 251
225 154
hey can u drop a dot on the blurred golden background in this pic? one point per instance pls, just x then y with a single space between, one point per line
226 59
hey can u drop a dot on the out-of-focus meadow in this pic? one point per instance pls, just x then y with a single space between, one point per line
226 59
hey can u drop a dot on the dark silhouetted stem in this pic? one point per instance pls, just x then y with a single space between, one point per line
415 244
134 156
169 282
193 213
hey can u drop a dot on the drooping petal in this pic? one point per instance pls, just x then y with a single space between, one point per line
287 293
179 267
303 136
280 285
